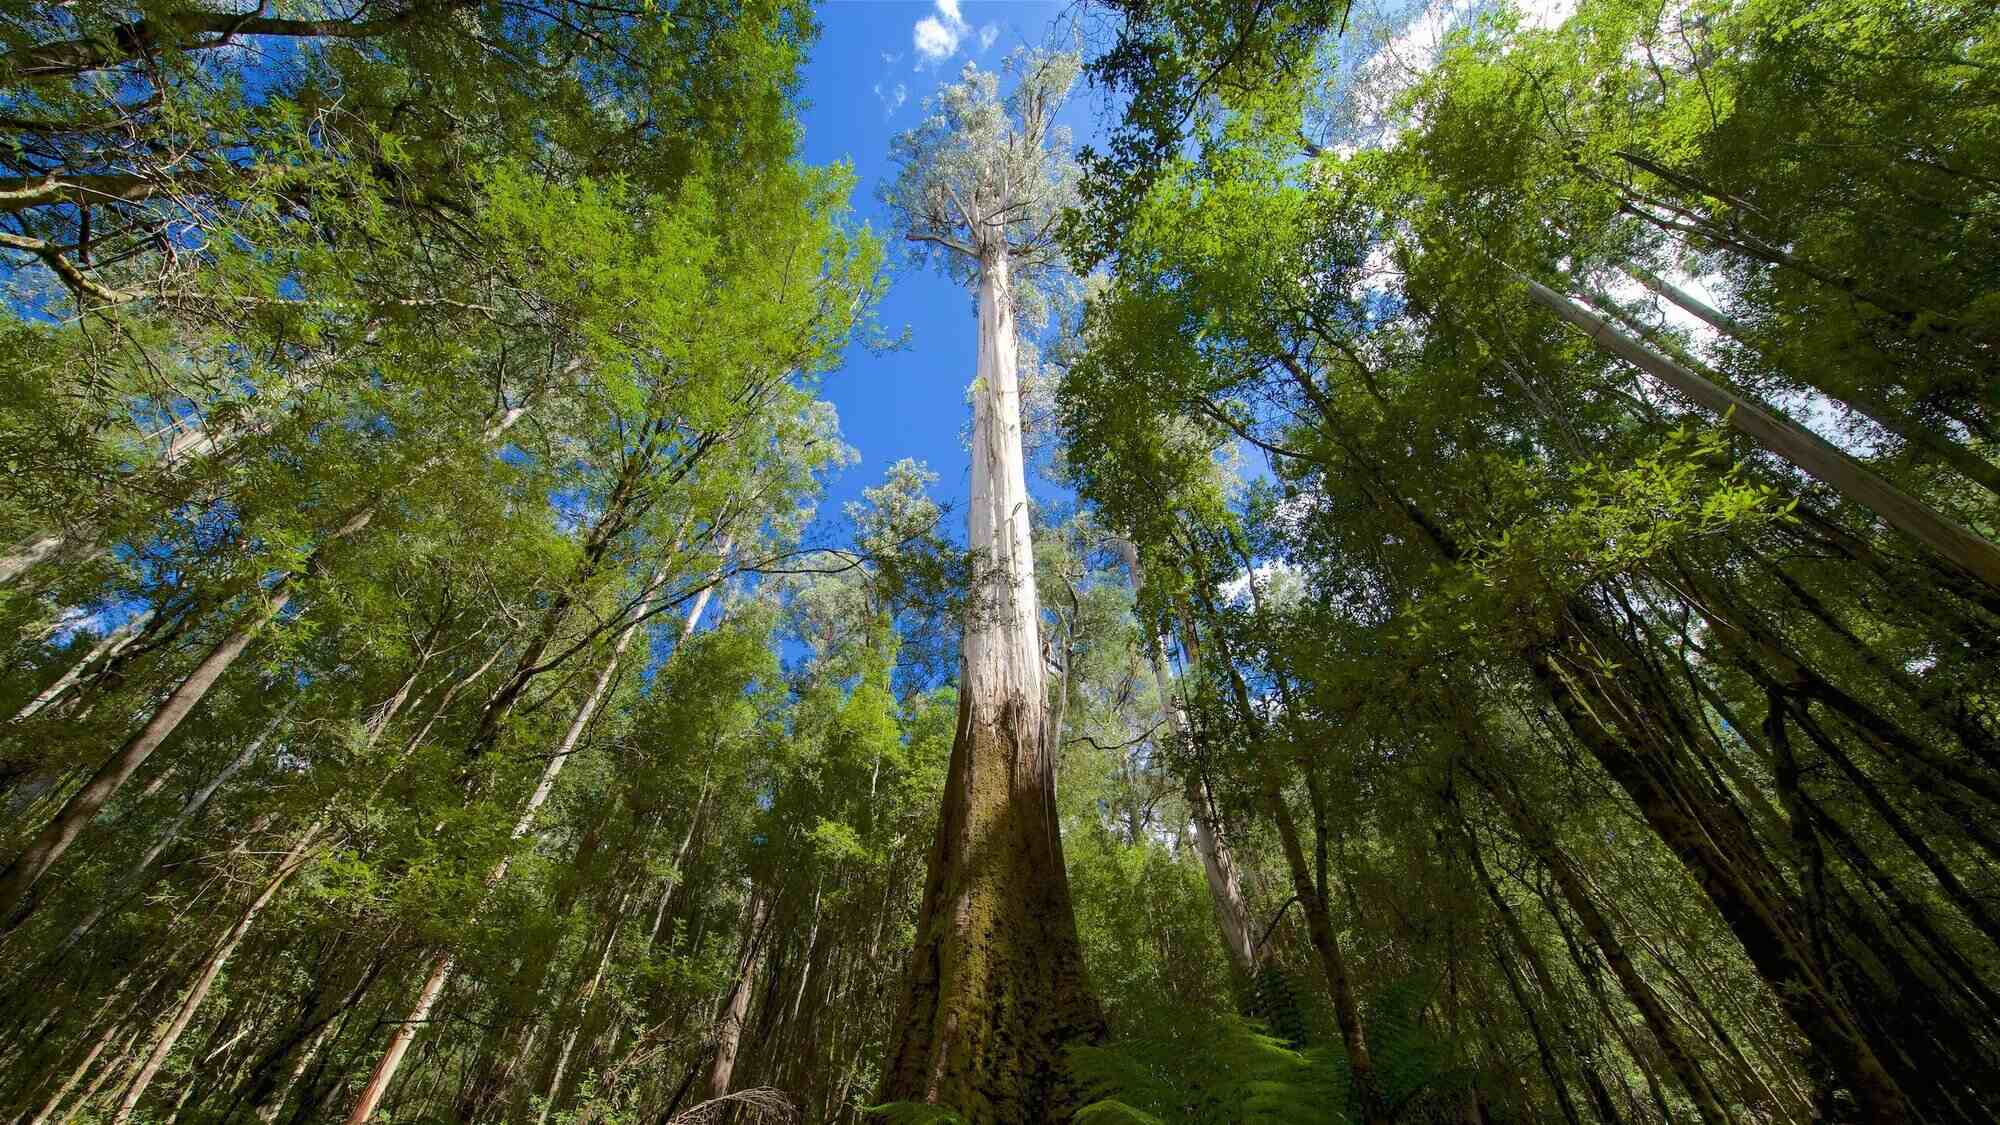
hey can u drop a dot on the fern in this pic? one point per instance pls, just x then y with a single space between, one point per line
1111 1111
1274 999
1223 1071
1413 1063
914 1113
1228 1070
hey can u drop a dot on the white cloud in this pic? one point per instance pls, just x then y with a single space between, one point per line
892 57
988 34
1277 579
892 98
936 37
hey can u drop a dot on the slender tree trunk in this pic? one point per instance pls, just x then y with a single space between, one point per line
137 875
30 553
55 838
736 1008
113 1024
582 1010
1218 861
443 964
107 646
211 968
1581 1046
1308 887
103 1075
1718 853
1637 988
267 1093
1809 452
1550 1068
996 989
191 438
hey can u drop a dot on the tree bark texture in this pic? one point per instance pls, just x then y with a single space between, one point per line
996 988
736 1008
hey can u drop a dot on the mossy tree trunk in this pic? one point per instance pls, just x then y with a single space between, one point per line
996 991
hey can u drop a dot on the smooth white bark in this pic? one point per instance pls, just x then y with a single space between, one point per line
218 957
1809 452
1003 638
110 645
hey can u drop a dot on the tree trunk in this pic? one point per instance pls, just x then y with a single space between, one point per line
582 1010
55 838
30 553
109 645
1738 885
736 1008
137 875
1639 990
443 964
61 831
1218 861
43 852
1916 433
1579 1044
1309 888
103 1075
1797 445
113 1024
211 968
996 989
264 1089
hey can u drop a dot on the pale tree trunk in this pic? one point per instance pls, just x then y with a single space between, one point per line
211 968
1917 433
812 947
74 548
681 856
1807 451
62 830
1694 306
42 853
1218 862
97 1080
736 1008
30 553
996 990
112 1012
444 962
137 874
108 646
1308 886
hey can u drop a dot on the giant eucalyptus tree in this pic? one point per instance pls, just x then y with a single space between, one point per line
996 987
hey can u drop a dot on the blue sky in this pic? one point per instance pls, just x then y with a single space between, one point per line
874 64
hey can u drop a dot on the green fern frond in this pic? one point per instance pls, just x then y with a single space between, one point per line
914 1113
1111 1111
1412 1061
1226 1071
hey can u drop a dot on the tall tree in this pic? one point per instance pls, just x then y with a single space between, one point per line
996 987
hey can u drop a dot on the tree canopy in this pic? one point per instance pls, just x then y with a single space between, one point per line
1476 600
